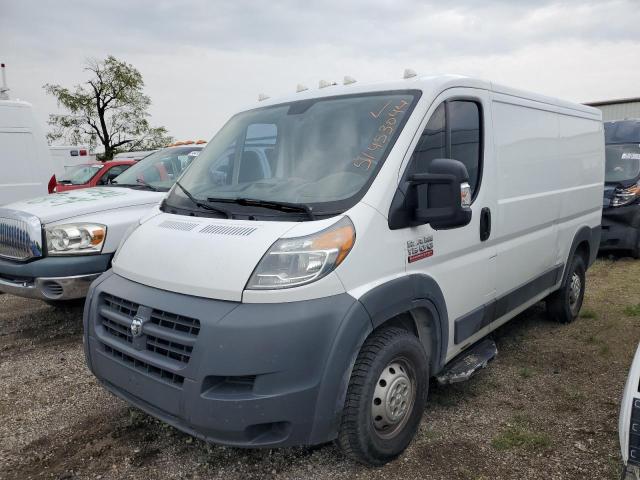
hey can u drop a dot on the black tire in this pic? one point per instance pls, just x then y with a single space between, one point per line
395 354
564 304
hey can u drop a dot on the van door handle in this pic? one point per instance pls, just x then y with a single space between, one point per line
485 224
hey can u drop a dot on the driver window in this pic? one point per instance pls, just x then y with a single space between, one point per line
112 174
432 143
453 131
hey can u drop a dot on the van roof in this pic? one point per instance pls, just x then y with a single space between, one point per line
436 83
15 103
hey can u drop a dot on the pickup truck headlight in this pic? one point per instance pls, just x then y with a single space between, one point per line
75 239
624 196
291 262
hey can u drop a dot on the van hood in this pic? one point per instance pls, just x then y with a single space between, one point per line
204 257
60 206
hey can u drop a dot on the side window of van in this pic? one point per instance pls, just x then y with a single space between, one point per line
453 131
464 125
432 143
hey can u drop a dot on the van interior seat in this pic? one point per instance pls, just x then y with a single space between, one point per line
250 167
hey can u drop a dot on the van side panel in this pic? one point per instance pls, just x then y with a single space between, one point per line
582 147
550 173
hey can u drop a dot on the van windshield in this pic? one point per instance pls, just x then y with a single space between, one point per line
320 151
622 162
159 170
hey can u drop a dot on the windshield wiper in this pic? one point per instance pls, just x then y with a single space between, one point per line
204 206
140 183
148 185
282 206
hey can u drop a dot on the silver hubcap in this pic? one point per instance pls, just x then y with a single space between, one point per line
574 290
393 399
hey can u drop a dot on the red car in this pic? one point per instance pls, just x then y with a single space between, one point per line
92 174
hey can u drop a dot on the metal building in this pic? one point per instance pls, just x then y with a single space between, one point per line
621 109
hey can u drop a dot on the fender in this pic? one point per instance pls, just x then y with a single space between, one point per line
406 294
591 235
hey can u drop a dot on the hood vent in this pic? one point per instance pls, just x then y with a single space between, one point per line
228 230
232 230
183 226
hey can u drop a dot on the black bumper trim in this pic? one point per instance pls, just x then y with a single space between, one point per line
55 266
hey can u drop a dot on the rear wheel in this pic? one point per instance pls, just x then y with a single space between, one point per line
564 304
386 397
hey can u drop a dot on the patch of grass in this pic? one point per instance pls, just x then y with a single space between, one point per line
519 434
632 310
586 313
526 372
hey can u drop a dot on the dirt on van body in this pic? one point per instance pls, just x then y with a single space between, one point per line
546 408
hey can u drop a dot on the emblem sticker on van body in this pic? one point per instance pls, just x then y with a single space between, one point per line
419 249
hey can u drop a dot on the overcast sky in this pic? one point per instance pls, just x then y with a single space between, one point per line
203 60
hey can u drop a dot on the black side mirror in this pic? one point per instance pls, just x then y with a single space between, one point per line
441 197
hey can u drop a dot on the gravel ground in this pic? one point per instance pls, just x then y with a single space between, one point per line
546 408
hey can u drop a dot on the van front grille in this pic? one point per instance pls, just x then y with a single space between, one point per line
163 333
144 367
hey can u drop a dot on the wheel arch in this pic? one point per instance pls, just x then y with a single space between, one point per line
585 243
416 303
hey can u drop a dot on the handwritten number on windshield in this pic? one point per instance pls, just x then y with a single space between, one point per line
389 123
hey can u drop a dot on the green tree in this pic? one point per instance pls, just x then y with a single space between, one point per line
108 109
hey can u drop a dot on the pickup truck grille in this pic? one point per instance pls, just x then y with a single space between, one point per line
164 334
17 240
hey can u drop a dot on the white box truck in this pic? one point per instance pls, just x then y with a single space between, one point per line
26 167
68 156
391 229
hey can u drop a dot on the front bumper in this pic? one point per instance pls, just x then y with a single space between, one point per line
620 228
250 375
52 278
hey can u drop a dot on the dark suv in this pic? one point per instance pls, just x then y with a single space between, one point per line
621 205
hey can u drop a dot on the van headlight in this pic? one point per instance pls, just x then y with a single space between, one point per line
625 196
291 262
75 238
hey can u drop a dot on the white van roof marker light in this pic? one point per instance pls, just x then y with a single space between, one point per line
348 80
409 73
301 88
262 97
326 83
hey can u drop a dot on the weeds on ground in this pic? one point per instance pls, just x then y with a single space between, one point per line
632 310
587 313
525 372
519 434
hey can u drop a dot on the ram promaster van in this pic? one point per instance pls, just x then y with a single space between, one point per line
621 206
329 252
53 247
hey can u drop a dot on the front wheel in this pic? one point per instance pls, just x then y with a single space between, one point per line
564 304
386 397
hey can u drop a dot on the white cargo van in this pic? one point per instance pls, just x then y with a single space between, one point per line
329 252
